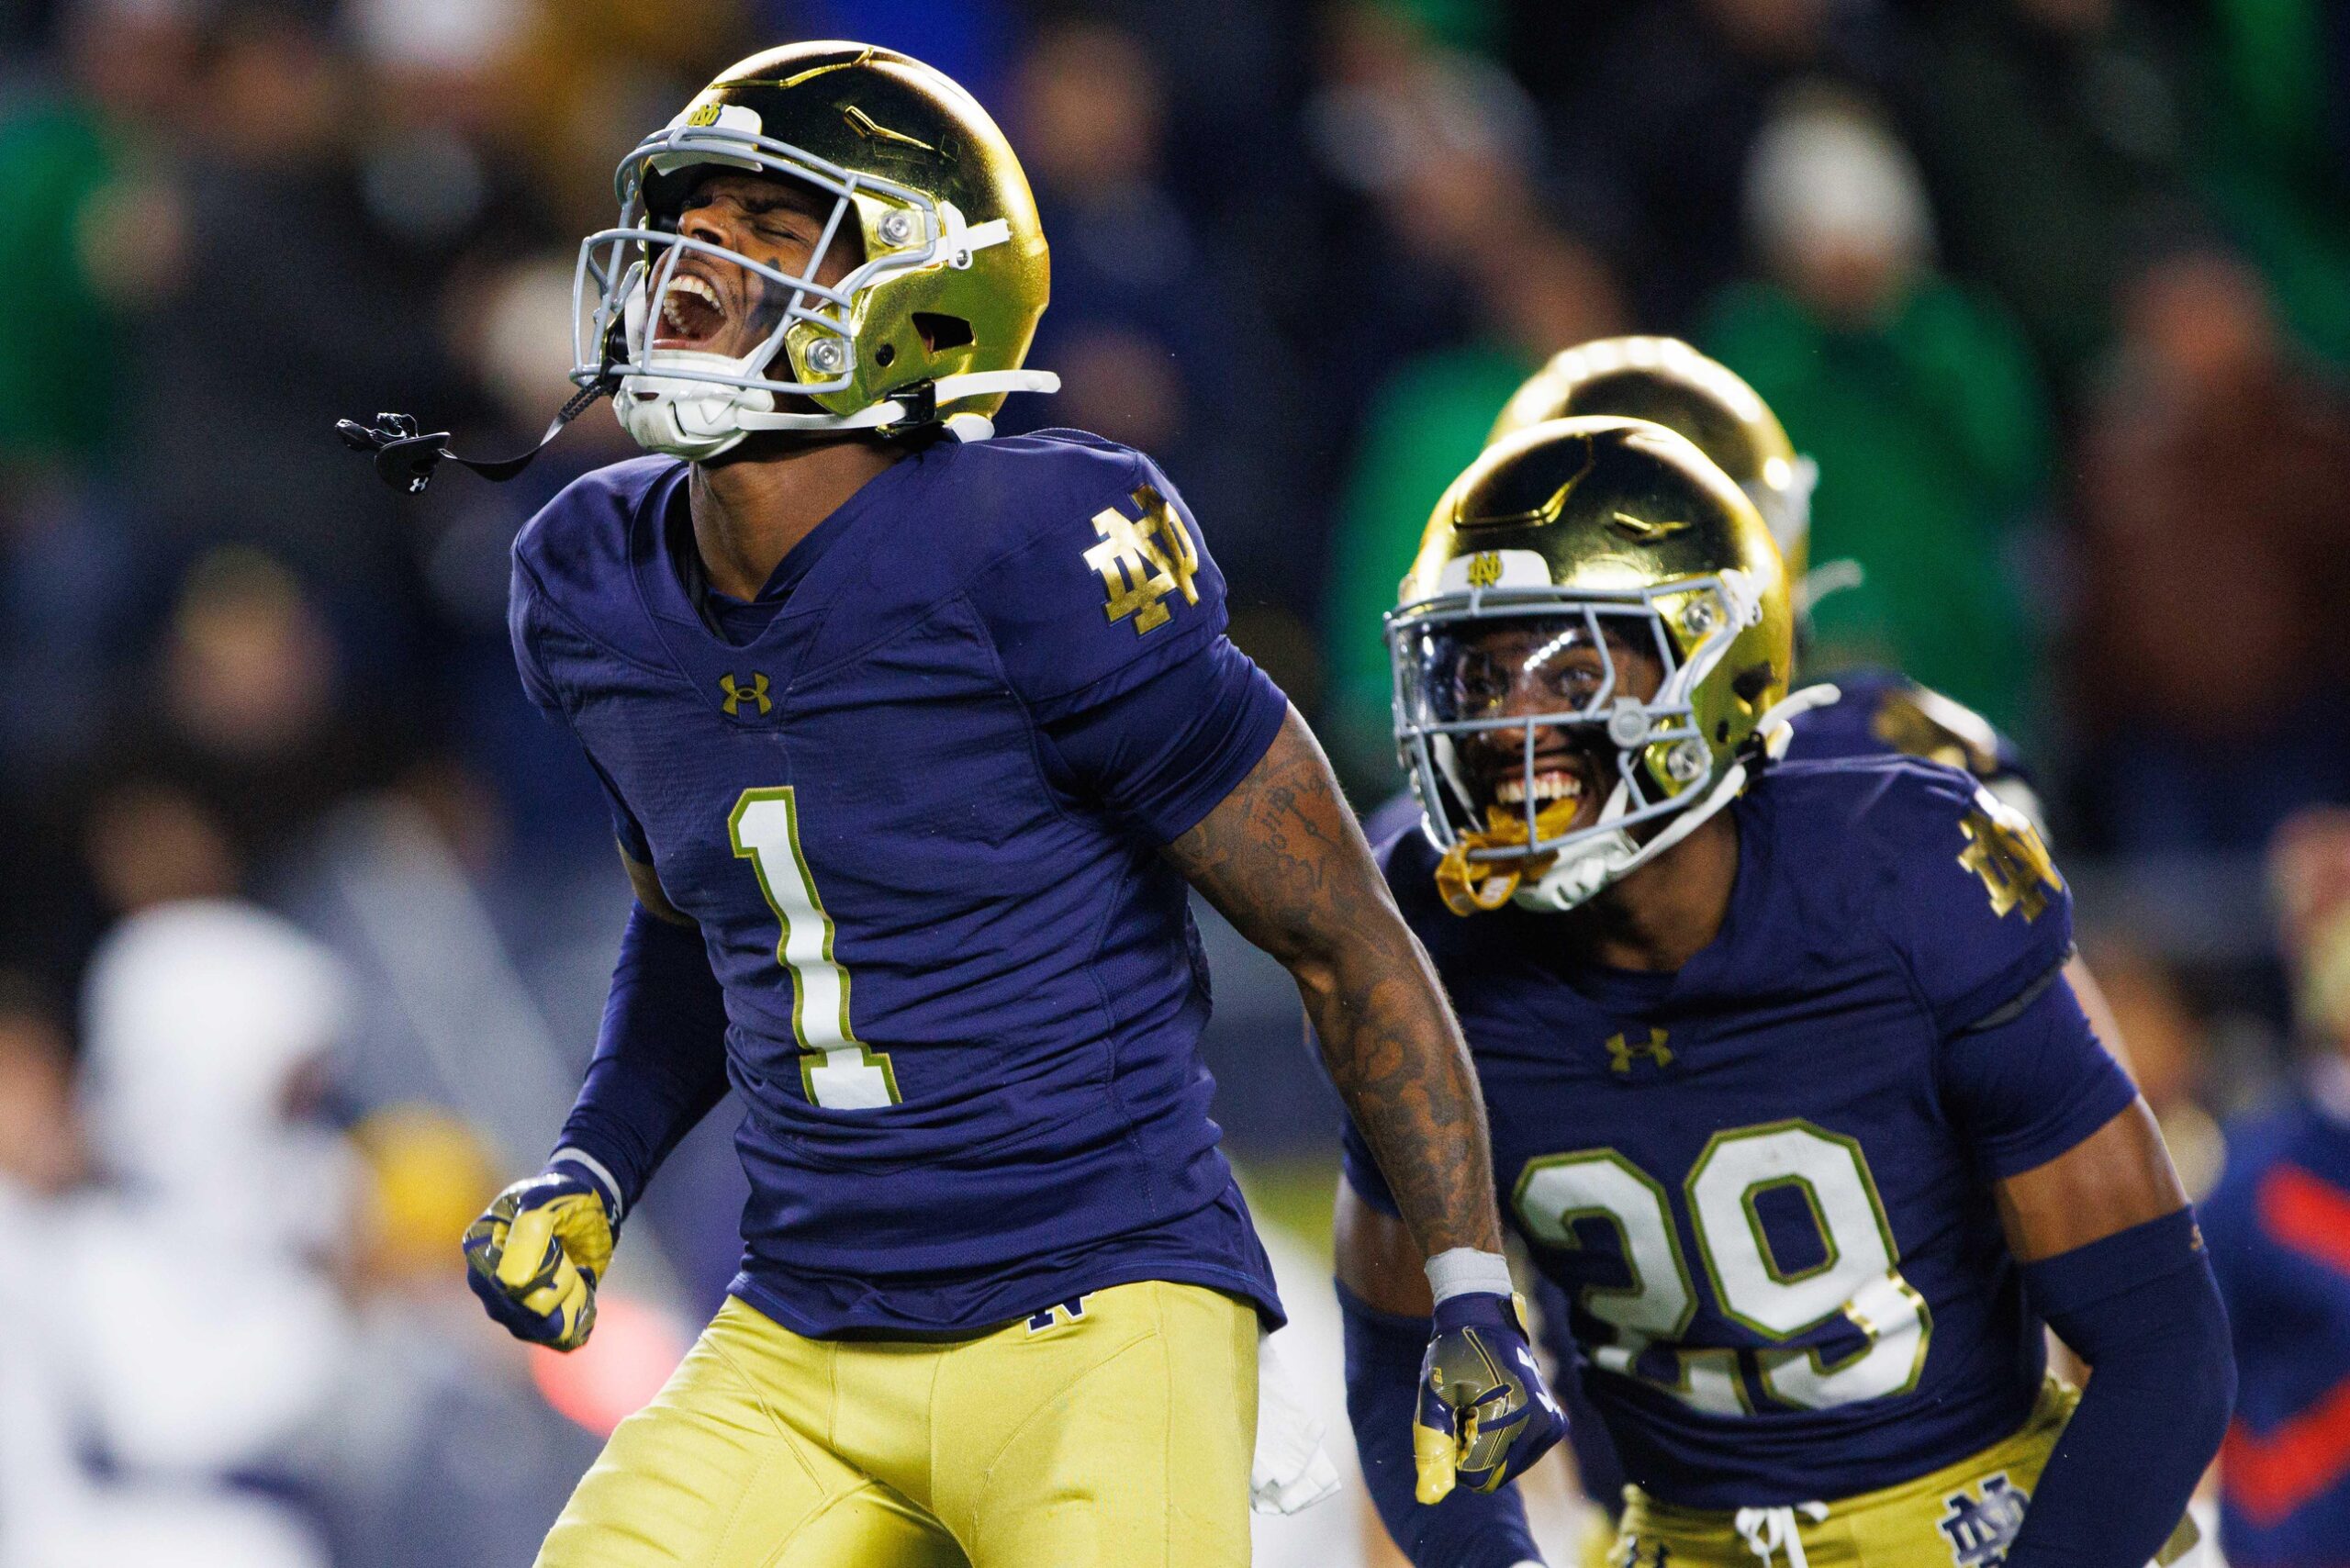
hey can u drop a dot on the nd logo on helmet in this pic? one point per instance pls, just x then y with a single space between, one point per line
705 113
1485 569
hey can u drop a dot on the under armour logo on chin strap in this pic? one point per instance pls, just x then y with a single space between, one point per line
737 694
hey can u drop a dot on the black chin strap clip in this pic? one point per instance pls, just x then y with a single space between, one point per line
406 454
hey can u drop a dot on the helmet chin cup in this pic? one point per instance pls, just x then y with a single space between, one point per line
686 417
1578 874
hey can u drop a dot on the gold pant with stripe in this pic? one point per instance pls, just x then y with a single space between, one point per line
1120 1435
1957 1517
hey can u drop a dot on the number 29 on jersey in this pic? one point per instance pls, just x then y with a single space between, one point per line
1855 1278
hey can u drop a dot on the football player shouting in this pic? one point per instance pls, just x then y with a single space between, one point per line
916 743
1790 1097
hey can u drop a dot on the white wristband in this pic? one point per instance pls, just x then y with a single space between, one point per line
1464 1271
594 1168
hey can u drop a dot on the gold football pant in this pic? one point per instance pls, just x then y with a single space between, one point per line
1965 1514
1119 1435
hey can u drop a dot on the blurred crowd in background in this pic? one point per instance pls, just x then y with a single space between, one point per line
2057 292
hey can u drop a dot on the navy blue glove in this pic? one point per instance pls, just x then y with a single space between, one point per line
1485 1413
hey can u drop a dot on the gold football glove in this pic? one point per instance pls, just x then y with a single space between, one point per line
1484 1412
534 1256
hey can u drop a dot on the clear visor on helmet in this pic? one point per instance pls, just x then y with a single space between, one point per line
651 300
1523 719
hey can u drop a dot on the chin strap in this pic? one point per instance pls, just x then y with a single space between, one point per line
911 407
406 454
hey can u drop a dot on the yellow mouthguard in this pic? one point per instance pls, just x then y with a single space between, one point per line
1488 884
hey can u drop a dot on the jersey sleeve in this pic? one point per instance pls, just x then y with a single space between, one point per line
1166 753
1115 586
2029 1086
528 623
1968 897
535 627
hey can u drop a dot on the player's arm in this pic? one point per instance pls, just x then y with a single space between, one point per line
535 1255
1111 633
2112 1260
2093 1212
1283 858
1384 1300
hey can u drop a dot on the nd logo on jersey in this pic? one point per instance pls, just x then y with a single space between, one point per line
1143 560
1981 1529
2003 849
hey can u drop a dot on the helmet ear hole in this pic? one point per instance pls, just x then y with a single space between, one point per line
943 333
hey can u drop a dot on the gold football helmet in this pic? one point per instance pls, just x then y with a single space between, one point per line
1570 563
1666 381
933 324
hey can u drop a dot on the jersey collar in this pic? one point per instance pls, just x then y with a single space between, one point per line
745 683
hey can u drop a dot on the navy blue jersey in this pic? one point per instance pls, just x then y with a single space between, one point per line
1764 1183
2278 1226
962 988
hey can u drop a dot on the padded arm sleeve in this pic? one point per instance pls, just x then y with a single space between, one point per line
660 1062
2142 1308
1468 1529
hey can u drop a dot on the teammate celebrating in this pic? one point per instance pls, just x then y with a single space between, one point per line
1790 1097
913 740
1877 711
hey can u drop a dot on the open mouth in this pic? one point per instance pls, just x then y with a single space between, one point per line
693 314
1561 784
1547 786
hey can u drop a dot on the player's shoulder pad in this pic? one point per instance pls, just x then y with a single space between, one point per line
1882 712
578 543
571 591
1094 574
1961 883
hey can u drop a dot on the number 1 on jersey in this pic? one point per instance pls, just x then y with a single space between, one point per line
836 1068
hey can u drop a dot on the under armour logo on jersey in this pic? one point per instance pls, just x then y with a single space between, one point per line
1621 1051
1980 1529
1069 1311
737 694
1143 560
2004 849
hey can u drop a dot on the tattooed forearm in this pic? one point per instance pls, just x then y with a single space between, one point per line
1282 859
